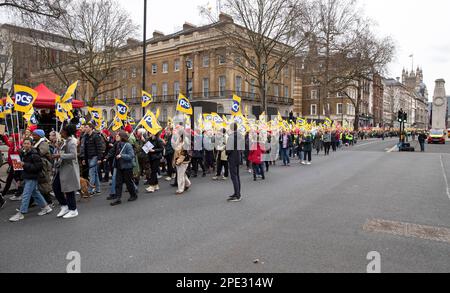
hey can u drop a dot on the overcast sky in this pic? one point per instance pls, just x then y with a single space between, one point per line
419 27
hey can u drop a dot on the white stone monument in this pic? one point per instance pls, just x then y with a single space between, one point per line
439 105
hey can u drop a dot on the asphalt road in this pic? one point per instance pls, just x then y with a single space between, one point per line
301 219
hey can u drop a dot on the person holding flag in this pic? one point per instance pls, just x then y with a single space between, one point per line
122 110
94 149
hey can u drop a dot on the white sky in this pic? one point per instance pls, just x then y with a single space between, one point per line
419 27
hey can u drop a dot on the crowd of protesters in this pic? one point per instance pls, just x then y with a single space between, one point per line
52 170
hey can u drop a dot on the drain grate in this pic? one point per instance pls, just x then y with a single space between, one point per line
408 230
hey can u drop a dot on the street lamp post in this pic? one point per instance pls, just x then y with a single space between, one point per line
144 56
188 65
264 67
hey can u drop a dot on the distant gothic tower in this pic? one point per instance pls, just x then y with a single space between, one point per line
412 80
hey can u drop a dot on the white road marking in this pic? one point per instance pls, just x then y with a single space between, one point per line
445 177
369 143
392 149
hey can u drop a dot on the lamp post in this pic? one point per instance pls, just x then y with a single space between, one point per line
188 65
144 53
264 68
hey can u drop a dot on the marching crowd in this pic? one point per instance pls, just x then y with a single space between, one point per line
75 161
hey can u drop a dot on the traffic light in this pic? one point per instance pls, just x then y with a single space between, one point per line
400 116
405 117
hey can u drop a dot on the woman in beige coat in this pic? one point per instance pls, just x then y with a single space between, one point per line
67 174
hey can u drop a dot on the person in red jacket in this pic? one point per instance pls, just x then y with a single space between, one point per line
14 146
255 157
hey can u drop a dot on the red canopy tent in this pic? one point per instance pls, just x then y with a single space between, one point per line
46 99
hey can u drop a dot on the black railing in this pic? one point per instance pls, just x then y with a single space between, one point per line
197 97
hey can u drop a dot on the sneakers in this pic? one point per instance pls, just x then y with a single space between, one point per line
45 211
150 189
309 163
159 176
71 215
157 187
15 198
168 179
215 178
235 199
17 217
131 199
303 163
64 211
111 197
224 178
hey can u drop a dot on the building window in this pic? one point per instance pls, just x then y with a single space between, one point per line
206 61
328 108
164 115
252 88
165 90
105 115
222 86
220 109
206 88
133 92
222 60
154 68
238 85
165 67
124 93
154 90
314 95
176 66
276 91
339 109
176 88
350 109
133 72
286 92
113 114
286 71
124 74
313 110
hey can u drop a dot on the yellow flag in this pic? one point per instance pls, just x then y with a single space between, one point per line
9 106
184 106
150 123
236 106
147 99
118 124
61 114
68 96
122 109
25 98
2 110
158 112
28 115
96 114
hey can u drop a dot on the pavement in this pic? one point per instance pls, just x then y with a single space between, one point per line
301 219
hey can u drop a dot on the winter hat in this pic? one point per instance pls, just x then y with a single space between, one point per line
39 132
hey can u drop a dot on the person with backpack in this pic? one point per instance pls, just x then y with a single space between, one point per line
256 158
32 165
124 156
43 148
94 149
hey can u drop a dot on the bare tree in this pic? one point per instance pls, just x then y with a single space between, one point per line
33 8
332 27
261 37
368 56
6 61
98 30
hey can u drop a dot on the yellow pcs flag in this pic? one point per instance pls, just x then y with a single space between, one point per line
2 110
9 106
122 109
150 123
60 113
25 98
147 99
236 106
184 106
96 114
66 100
118 124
